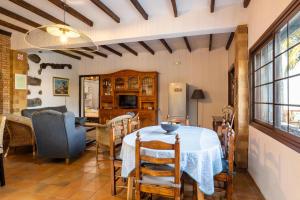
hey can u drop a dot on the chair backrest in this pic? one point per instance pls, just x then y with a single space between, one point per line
228 114
50 129
144 170
134 124
229 145
179 120
2 125
20 130
118 132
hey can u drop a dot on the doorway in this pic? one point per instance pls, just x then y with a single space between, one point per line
89 97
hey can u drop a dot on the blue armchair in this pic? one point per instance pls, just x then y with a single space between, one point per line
56 135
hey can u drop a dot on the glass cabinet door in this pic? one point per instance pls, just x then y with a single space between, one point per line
147 86
133 83
106 87
119 83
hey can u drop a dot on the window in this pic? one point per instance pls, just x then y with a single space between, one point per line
275 77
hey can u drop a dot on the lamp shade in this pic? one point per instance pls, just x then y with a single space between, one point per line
198 94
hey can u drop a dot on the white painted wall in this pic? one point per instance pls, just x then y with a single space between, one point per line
200 69
273 166
48 99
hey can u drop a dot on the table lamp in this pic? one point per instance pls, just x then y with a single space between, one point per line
198 94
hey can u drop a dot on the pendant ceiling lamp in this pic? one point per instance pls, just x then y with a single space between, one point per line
59 37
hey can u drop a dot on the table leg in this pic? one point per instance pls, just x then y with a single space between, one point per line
197 193
130 188
2 177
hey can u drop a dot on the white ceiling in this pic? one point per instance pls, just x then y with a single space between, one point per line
107 31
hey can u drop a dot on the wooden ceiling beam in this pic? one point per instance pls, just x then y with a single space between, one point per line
212 6
6 33
141 10
67 54
174 8
18 17
163 41
230 39
147 47
83 54
95 52
37 11
111 50
210 42
13 27
246 3
72 11
107 10
188 46
128 49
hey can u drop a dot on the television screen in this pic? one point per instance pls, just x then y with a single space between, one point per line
128 101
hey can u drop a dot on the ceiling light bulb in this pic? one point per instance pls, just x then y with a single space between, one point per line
63 39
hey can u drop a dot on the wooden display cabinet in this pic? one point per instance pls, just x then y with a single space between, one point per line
143 85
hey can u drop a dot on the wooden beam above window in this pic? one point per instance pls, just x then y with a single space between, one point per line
128 49
111 50
18 17
67 54
246 3
147 47
166 45
212 6
107 10
174 8
188 46
230 39
72 11
13 27
210 42
141 10
37 11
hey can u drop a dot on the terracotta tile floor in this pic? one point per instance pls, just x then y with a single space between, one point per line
81 180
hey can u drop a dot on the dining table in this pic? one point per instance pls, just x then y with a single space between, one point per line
200 152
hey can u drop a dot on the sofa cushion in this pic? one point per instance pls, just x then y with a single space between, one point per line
29 112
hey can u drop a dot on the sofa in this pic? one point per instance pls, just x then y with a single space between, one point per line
63 109
57 136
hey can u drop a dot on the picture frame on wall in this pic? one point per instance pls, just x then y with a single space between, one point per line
20 82
61 86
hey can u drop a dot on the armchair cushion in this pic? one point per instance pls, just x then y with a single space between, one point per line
29 112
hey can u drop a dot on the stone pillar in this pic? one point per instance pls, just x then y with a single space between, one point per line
5 83
241 100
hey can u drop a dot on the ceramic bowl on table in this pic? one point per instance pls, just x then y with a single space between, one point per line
169 126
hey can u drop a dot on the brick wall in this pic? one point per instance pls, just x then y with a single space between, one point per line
5 83
19 65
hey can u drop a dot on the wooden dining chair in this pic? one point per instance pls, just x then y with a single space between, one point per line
228 114
2 177
134 123
226 176
179 120
118 132
156 176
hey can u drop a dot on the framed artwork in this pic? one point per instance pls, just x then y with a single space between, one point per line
20 81
61 86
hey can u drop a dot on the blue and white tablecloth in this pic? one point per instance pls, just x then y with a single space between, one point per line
200 150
